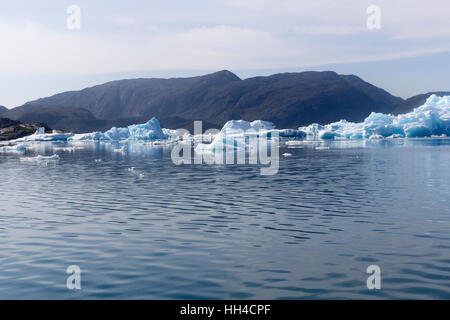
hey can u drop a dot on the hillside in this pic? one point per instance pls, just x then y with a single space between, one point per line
3 110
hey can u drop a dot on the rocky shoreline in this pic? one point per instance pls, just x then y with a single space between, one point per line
13 129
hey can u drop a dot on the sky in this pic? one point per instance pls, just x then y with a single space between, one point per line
42 54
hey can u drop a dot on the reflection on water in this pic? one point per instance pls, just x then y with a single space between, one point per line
140 227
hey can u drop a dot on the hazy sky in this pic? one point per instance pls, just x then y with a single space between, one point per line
121 39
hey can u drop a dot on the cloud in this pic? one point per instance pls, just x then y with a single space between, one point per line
250 34
122 21
334 30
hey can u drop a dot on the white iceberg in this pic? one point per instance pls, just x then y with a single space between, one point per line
149 131
17 149
239 126
41 159
40 135
233 134
430 119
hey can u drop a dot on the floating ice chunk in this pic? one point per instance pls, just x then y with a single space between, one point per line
291 133
395 136
40 135
294 143
376 137
234 133
123 149
222 141
239 126
41 159
17 149
312 130
93 136
235 125
322 148
379 124
170 133
65 149
148 131
432 118
326 135
417 131
259 125
287 154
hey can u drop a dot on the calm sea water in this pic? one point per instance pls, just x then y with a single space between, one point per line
162 231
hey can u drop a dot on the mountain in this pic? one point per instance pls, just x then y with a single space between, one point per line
409 104
3 110
287 99
13 129
141 97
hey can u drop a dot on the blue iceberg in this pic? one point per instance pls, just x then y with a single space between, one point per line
430 119
148 131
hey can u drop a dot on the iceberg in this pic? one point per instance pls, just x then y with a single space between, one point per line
17 149
430 119
239 126
291 133
148 131
40 135
171 133
41 159
233 134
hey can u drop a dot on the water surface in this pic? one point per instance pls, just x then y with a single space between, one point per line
161 231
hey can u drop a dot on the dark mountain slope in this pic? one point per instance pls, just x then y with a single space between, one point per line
135 97
293 99
3 110
288 99
409 104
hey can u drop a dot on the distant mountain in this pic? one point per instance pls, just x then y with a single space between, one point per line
288 100
409 104
3 110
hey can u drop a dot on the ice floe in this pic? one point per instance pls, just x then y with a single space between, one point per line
17 149
322 148
67 149
292 143
148 131
233 135
41 159
40 135
432 118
